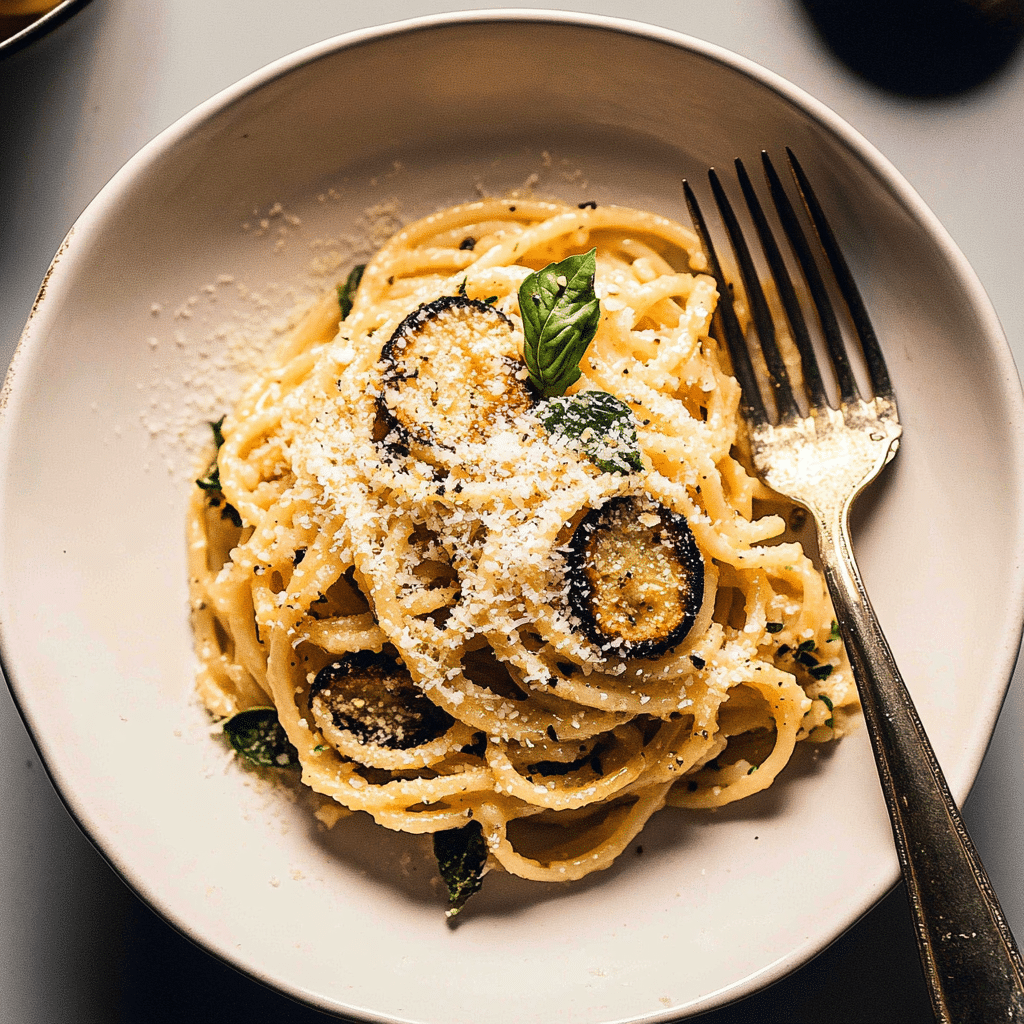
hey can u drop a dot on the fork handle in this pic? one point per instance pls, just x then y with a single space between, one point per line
972 965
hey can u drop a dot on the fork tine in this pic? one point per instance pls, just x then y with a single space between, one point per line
763 322
877 370
848 391
798 326
753 405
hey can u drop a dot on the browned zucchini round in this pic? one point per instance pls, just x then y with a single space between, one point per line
373 697
452 374
636 577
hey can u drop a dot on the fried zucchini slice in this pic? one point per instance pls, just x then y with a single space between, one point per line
373 698
452 374
636 577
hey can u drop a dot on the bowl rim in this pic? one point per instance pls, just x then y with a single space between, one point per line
826 119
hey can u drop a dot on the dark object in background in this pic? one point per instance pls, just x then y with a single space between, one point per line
921 48
17 30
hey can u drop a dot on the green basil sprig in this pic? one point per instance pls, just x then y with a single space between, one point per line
600 423
258 736
560 312
461 858
347 291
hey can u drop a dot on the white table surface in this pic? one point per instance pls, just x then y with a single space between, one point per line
75 944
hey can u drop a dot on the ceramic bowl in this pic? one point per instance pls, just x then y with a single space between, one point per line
194 257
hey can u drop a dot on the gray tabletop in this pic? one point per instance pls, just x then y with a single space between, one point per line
945 103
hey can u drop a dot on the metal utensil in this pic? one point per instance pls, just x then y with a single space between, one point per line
824 459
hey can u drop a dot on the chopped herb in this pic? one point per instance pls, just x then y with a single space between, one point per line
834 634
230 512
347 291
821 671
805 658
827 701
753 768
257 735
774 627
560 311
218 435
491 300
783 649
211 480
462 288
461 858
807 645
601 423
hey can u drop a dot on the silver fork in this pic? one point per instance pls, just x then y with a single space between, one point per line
824 460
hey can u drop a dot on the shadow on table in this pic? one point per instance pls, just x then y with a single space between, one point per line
41 115
927 49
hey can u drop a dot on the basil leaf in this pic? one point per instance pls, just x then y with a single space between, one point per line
461 857
600 424
210 481
347 291
560 313
258 736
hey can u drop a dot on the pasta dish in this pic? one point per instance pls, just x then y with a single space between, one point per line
478 550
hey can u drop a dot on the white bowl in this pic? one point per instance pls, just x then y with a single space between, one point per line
204 242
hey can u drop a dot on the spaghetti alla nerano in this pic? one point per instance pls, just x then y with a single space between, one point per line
479 539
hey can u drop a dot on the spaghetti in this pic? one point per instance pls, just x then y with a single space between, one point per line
387 550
